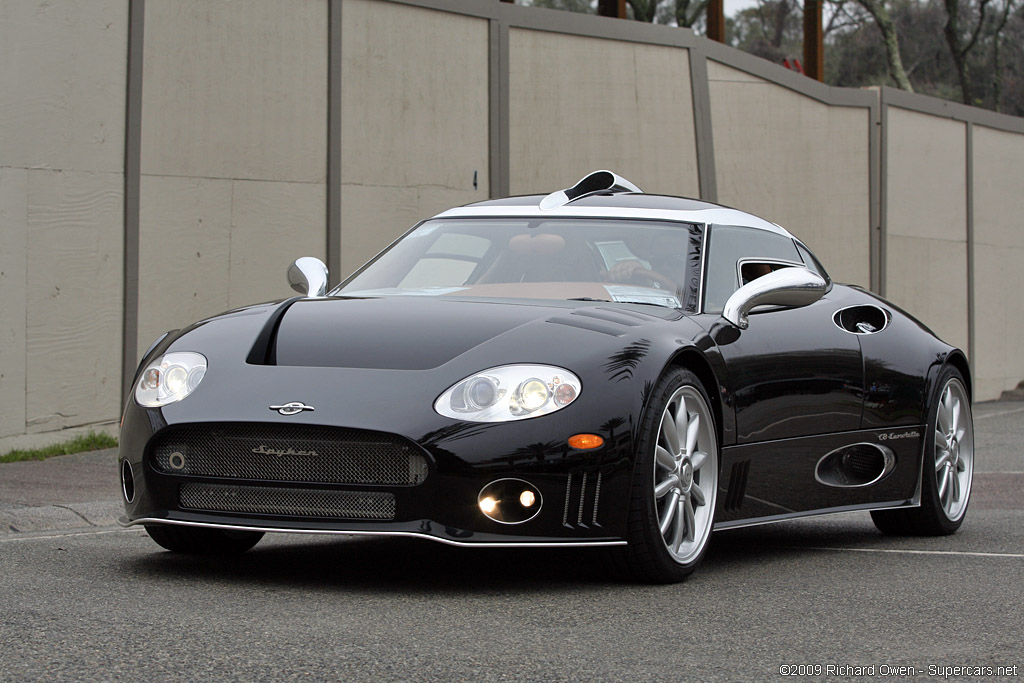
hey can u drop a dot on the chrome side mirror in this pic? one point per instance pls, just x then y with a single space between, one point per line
308 276
793 286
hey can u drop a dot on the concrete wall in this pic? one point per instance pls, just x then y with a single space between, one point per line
414 116
998 259
233 160
62 98
926 220
621 106
768 160
263 130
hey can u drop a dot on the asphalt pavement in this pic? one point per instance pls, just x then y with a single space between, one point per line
822 599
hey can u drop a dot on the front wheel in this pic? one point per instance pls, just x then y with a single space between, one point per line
948 467
675 481
202 541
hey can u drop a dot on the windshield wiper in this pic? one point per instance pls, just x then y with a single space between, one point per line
588 298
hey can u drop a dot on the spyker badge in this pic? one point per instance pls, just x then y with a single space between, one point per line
293 408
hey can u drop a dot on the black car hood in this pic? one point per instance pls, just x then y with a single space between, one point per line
396 333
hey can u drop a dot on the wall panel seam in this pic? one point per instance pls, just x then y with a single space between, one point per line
333 217
132 190
700 95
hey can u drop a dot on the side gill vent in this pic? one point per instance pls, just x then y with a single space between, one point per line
737 485
598 182
582 500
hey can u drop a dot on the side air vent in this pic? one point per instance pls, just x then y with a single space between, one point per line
861 464
598 182
582 500
737 485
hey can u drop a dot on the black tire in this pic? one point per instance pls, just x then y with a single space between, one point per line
203 541
689 490
947 467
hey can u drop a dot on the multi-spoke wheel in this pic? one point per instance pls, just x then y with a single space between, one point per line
675 481
948 466
202 541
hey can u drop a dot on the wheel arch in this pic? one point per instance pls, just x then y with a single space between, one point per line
959 361
693 360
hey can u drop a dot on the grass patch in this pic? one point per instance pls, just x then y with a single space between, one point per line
87 442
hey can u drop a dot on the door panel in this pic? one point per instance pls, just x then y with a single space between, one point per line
794 373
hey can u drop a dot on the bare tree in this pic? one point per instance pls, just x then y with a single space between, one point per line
689 12
878 12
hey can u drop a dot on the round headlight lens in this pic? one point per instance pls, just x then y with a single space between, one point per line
533 394
481 392
170 378
176 378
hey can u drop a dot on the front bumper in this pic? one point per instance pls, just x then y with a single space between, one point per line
583 494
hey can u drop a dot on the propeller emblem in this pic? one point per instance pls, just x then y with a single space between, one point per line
293 408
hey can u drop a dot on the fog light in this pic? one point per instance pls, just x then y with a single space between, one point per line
510 501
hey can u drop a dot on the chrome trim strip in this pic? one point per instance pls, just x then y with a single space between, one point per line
406 534
712 214
124 483
862 507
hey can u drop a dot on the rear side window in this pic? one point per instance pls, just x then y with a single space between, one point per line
729 246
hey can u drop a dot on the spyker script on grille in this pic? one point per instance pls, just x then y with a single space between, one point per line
266 450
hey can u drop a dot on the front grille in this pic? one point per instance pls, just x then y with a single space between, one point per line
369 505
288 453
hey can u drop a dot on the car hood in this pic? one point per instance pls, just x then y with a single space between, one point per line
396 333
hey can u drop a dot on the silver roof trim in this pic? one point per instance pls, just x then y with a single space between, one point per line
712 215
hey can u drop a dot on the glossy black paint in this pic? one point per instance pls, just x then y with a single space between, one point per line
786 391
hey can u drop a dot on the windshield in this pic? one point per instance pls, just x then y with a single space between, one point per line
630 261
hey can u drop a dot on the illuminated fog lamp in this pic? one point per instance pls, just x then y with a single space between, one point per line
533 394
585 442
498 500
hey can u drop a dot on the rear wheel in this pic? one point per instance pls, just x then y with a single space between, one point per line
948 466
202 541
675 482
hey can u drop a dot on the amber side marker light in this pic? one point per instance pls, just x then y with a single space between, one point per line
586 441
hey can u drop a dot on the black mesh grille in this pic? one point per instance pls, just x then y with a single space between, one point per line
288 453
371 505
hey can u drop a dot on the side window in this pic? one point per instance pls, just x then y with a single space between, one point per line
812 263
730 247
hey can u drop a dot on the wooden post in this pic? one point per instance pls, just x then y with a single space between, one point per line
814 41
716 20
612 8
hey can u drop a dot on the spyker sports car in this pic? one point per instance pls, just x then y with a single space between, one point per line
594 367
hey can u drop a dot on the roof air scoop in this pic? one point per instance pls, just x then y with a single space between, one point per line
598 182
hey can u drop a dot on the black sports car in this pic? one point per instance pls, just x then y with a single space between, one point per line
594 367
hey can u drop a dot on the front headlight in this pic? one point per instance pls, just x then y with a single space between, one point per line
170 378
509 392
